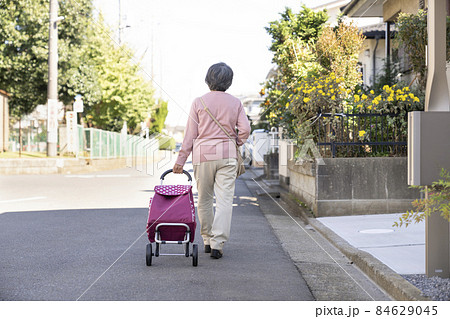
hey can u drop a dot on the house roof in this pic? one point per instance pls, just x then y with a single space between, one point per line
332 4
364 8
377 31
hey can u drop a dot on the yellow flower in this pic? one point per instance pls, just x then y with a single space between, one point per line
333 97
363 97
375 101
360 105
362 133
356 97
406 89
386 87
369 107
390 99
287 104
416 99
372 92
411 95
306 99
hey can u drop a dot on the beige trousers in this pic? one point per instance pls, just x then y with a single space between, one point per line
215 178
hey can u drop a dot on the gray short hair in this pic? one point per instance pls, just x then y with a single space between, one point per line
219 77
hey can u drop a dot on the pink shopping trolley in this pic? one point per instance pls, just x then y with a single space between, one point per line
171 219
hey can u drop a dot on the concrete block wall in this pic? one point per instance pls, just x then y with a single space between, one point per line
302 182
353 186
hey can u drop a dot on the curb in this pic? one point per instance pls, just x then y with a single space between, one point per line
57 165
394 284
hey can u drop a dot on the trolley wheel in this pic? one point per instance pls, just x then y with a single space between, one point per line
195 255
157 250
149 255
186 250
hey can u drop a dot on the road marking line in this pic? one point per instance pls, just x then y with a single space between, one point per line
117 175
79 176
21 199
97 176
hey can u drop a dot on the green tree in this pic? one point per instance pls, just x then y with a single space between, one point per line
293 38
77 74
90 64
125 94
24 53
412 34
158 117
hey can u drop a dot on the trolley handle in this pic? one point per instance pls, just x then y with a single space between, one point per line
171 170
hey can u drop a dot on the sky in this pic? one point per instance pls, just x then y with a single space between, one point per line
176 41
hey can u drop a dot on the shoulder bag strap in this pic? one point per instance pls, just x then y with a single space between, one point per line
217 122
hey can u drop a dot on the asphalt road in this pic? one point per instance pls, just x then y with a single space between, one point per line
82 237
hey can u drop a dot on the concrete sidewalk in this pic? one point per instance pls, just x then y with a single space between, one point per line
401 249
330 275
381 251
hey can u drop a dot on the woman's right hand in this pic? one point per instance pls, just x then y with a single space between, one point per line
177 169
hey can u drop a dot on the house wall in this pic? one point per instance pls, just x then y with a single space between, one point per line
391 8
366 59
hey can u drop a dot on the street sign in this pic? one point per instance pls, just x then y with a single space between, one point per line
72 136
52 124
78 104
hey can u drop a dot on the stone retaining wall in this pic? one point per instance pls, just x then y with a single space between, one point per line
352 186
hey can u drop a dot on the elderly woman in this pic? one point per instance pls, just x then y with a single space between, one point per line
214 155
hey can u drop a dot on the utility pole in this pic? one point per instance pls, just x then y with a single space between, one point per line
120 24
52 89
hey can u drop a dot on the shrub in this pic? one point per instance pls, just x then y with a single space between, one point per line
166 143
438 201
337 51
412 34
